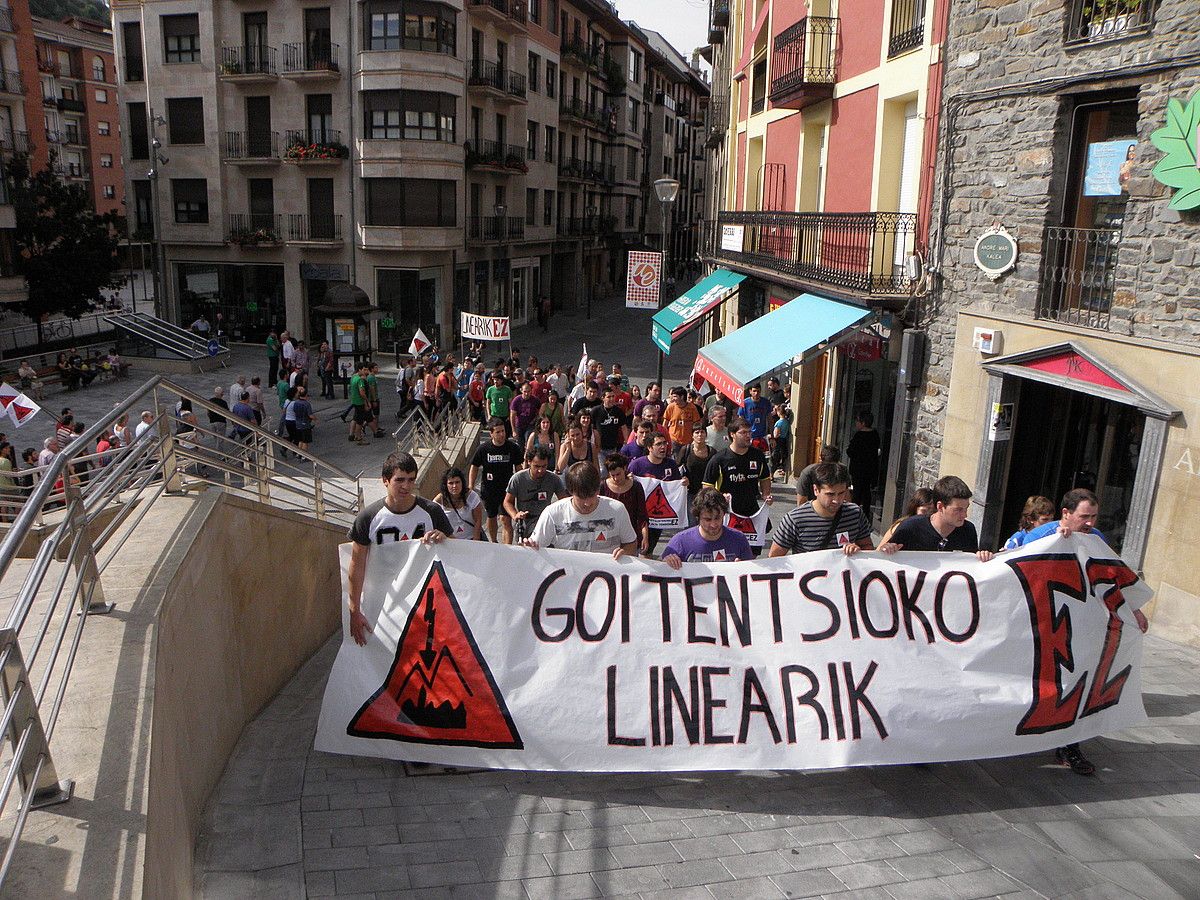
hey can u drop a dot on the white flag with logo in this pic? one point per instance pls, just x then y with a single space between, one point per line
666 502
581 369
420 343
754 527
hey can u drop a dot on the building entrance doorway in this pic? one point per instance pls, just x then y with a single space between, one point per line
1064 439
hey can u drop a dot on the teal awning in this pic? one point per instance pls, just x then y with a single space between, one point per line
685 313
786 335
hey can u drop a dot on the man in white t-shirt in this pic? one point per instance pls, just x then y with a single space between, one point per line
585 520
146 423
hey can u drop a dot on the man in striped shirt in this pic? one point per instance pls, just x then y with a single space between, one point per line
826 522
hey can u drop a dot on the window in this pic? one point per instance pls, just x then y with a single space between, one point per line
110 192
630 211
633 115
530 206
185 120
409 115
552 15
550 143
635 66
103 128
190 196
106 160
181 38
534 69
547 207
139 134
421 202
531 138
98 69
131 38
631 164
101 95
535 12
410 25
667 125
551 79
143 218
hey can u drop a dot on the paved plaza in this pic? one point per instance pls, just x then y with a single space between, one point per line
288 821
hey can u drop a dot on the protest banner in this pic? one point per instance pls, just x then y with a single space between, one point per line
754 527
666 502
483 328
577 662
643 281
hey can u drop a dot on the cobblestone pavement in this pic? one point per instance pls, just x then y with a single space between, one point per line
288 821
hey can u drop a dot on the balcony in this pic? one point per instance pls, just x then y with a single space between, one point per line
53 136
599 173
586 226
496 81
493 156
579 110
250 148
322 147
65 105
76 170
249 65
14 143
661 98
570 167
316 231
510 15
908 26
805 63
494 229
11 83
71 135
720 13
6 21
1078 275
253 231
314 60
1097 21
862 252
576 50
135 69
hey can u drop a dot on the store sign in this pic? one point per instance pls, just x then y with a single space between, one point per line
1179 140
642 281
1077 368
996 252
251 306
324 272
733 238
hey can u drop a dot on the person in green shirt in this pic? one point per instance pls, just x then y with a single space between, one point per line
281 389
361 401
498 398
272 357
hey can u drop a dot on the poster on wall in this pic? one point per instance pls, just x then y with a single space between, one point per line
643 283
1000 426
733 237
1109 165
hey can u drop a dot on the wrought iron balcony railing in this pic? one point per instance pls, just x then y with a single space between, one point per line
253 229
15 142
485 73
496 155
312 57
306 228
315 145
908 26
804 63
11 83
1093 21
250 145
252 60
862 252
1078 274
6 20
495 228
514 11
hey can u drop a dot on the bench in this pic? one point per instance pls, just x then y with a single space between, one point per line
49 376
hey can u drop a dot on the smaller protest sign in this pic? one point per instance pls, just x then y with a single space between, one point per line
666 502
484 328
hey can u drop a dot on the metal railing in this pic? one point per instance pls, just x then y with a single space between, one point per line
262 145
417 432
314 228
860 251
579 109
253 229
15 142
486 73
1078 275
495 228
805 54
315 56
494 153
60 328
6 20
11 83
509 9
1091 21
252 60
72 523
908 26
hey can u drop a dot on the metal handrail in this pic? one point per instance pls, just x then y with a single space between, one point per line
63 585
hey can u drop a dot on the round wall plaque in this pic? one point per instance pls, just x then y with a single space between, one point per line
996 252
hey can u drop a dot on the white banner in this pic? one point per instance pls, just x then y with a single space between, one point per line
666 502
577 662
483 328
754 527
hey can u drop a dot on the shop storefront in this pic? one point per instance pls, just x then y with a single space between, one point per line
249 299
408 299
1055 410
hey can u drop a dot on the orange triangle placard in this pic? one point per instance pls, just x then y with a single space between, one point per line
439 689
657 505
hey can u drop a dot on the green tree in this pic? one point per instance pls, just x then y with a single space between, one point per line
57 10
65 250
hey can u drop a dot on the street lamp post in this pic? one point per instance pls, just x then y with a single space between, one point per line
157 160
590 214
666 189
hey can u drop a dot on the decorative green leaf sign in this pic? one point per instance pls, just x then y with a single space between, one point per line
387 323
251 306
1177 140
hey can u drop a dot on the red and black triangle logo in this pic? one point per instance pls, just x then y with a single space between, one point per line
741 523
657 505
439 689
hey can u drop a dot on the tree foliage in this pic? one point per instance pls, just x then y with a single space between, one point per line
58 10
66 251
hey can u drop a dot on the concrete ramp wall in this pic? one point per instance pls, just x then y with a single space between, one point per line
258 592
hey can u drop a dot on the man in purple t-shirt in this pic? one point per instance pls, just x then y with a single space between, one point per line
657 463
523 413
710 541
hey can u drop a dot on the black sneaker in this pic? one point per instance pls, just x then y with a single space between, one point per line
1070 756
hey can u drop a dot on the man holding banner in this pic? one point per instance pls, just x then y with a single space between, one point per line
659 464
710 540
741 472
585 520
827 521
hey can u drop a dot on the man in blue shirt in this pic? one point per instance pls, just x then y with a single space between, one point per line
757 412
1080 508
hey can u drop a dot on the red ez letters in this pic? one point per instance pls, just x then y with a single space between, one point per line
1041 578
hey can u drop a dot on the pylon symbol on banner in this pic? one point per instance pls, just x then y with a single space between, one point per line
439 689
657 505
741 523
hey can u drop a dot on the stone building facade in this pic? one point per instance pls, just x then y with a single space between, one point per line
1089 380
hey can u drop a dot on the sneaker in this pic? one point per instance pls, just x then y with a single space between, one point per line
380 433
352 439
1070 756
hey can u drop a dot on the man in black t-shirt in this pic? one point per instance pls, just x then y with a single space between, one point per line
400 516
946 528
497 460
589 400
611 422
741 471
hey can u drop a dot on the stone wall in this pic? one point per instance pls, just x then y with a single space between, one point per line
1009 81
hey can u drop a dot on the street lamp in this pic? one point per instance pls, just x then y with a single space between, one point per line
159 270
666 189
